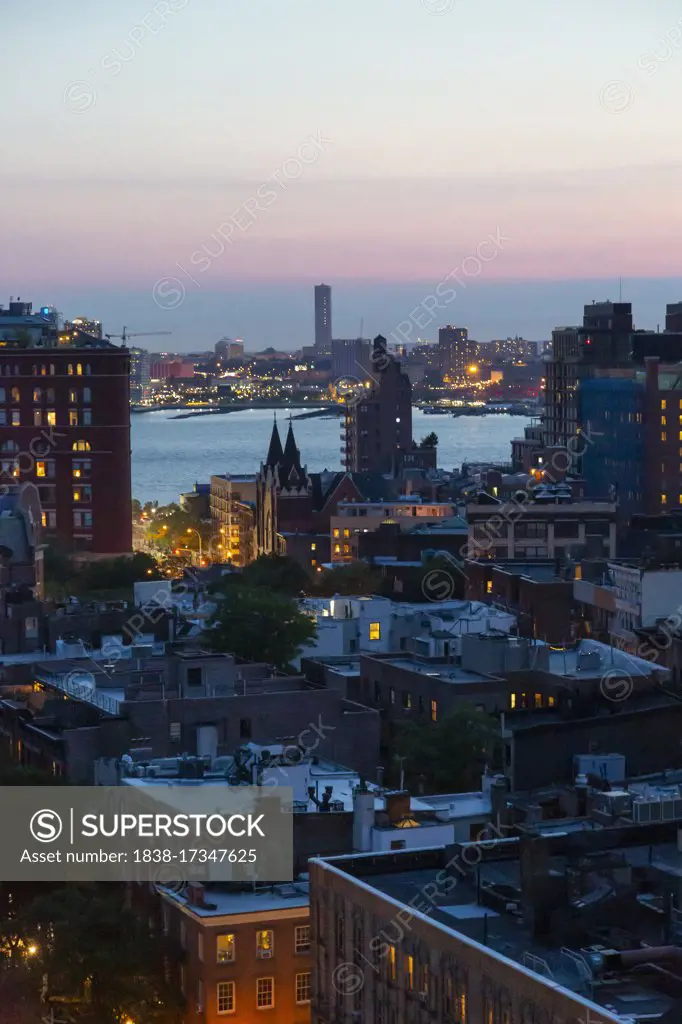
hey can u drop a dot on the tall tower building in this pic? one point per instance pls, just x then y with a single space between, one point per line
323 319
455 351
65 427
378 429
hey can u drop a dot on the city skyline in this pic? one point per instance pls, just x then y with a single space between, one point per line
238 179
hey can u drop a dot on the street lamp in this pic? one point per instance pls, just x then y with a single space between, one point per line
201 553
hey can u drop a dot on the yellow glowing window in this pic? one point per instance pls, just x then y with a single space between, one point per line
225 949
538 700
410 972
551 702
69 369
313 561
41 469
76 494
79 370
375 631
337 549
337 532
664 421
313 547
73 418
43 518
346 533
463 1007
512 700
664 404
664 436
51 416
264 943
434 711
489 587
664 499
391 962
77 473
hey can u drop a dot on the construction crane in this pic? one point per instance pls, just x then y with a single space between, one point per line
125 335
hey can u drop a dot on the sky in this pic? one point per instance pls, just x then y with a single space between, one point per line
196 166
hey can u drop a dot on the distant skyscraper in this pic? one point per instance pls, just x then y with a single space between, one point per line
455 351
323 318
351 357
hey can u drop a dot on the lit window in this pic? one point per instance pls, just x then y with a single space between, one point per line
69 369
225 997
346 549
664 436
664 499
337 549
512 700
80 446
410 972
265 941
43 518
337 532
664 421
313 547
346 533
265 993
313 561
303 988
375 631
391 963
41 469
16 418
664 404
551 701
15 394
51 417
79 370
489 587
225 949
302 938
37 395
73 417
434 711
37 418
538 700
76 494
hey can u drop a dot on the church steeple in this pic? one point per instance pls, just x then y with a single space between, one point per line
291 453
275 453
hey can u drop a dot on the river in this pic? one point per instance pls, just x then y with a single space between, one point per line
169 455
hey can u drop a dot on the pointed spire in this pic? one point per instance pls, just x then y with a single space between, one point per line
291 456
275 453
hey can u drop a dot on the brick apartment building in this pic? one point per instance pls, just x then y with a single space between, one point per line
65 426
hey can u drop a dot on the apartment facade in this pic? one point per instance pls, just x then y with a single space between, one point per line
65 426
246 952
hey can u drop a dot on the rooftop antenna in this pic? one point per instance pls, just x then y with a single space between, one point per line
620 289
362 326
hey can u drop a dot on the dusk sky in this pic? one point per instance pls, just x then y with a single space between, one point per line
394 135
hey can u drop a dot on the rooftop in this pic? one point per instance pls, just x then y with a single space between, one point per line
223 901
594 894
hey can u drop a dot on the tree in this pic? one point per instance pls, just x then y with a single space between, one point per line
449 755
278 573
256 625
93 948
430 441
357 578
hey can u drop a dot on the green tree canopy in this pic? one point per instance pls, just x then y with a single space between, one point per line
449 755
278 573
257 625
92 947
430 441
358 578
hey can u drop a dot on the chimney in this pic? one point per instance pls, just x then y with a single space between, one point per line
397 805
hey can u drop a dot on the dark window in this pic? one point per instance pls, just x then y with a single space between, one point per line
245 728
567 528
194 676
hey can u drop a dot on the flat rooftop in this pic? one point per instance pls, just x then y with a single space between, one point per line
467 911
444 673
222 902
